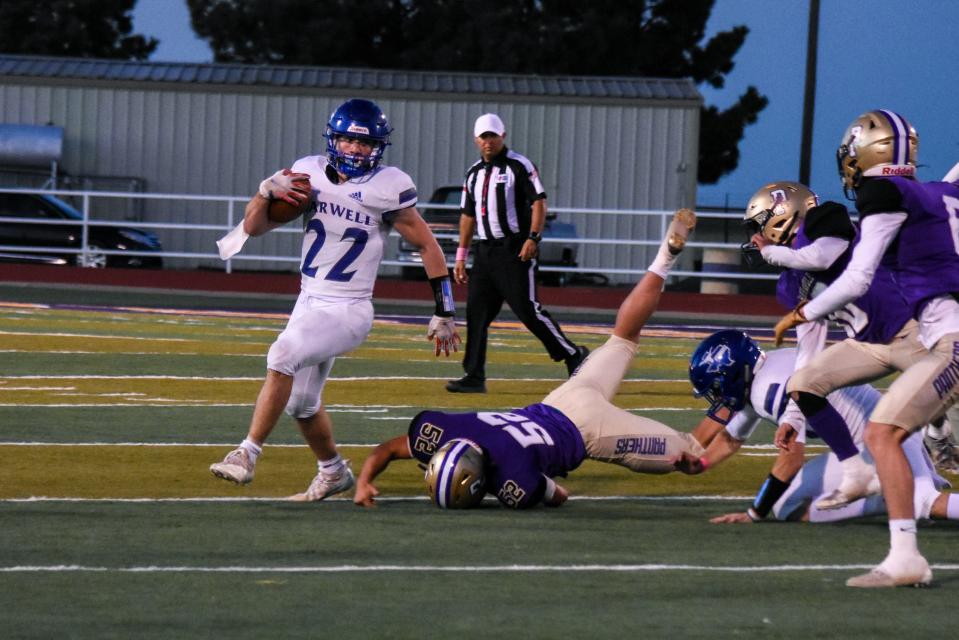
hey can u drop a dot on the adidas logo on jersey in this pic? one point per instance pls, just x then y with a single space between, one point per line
357 195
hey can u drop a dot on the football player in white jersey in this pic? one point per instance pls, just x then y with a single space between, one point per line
352 202
746 386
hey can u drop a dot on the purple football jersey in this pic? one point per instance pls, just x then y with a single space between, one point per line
875 317
927 251
521 447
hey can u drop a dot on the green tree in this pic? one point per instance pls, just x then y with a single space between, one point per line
76 28
652 38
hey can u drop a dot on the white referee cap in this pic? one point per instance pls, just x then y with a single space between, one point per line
488 122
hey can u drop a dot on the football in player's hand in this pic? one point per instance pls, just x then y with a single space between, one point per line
282 211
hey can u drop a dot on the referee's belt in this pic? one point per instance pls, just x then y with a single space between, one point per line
497 242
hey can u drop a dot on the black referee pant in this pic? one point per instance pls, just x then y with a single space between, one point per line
499 276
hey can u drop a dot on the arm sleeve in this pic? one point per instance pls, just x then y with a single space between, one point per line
817 256
742 425
878 232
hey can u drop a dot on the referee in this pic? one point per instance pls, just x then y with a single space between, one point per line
504 204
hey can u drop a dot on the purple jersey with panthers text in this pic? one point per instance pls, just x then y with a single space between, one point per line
875 317
521 446
926 251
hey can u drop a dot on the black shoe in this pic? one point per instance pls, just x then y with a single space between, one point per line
466 384
573 362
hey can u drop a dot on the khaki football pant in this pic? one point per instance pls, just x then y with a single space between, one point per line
851 362
612 434
925 391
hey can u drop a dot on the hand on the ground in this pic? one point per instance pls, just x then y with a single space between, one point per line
560 495
365 492
785 436
528 251
442 332
286 185
740 517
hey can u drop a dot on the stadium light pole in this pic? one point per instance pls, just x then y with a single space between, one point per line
809 95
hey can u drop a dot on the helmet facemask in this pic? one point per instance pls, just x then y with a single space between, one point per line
721 370
363 120
776 211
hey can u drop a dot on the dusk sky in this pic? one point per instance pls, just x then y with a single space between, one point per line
872 54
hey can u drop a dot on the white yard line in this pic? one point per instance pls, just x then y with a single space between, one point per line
417 568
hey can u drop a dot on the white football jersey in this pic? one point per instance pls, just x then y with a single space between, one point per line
768 400
344 239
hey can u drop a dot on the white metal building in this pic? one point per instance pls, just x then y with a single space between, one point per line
617 143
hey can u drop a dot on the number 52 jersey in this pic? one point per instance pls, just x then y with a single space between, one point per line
345 236
522 447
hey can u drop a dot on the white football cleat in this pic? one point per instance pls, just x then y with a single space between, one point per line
324 486
236 467
684 221
850 490
913 571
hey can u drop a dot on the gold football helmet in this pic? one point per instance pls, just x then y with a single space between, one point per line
456 475
777 209
877 143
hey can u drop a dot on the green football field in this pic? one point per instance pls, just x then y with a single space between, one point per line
113 526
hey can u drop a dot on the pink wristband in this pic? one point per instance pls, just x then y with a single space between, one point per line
704 462
462 253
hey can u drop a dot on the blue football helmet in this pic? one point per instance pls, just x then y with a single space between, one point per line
721 370
357 118
456 475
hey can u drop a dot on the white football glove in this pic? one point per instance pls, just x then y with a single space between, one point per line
442 332
285 185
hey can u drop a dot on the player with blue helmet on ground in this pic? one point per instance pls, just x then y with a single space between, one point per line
747 386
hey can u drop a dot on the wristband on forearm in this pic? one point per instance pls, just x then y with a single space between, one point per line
462 253
443 296
771 491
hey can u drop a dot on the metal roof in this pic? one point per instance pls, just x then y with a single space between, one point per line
294 77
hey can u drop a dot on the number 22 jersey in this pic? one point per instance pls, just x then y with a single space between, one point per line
346 233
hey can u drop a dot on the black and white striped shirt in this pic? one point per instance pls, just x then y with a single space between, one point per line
500 195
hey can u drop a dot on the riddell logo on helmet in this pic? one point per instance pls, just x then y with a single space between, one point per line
898 171
355 128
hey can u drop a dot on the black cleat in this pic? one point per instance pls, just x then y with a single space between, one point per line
573 362
466 384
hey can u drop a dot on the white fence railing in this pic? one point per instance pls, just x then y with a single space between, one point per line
228 210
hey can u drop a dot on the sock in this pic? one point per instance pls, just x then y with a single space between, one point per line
856 466
332 466
952 507
252 449
828 425
663 263
902 537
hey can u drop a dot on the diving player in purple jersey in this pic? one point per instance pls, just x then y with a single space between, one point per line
516 455
918 225
882 337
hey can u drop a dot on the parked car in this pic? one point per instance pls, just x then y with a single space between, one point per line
447 222
55 237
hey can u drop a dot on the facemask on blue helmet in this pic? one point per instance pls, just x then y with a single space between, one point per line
361 119
721 370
